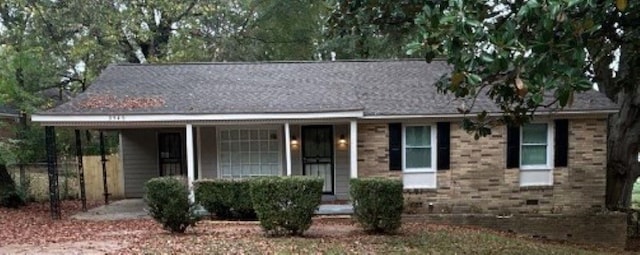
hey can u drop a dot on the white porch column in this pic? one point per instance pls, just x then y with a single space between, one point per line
190 163
353 149
287 147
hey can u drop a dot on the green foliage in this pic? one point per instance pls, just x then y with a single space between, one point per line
370 29
525 55
285 205
531 55
11 198
10 195
23 187
227 199
168 202
30 149
377 203
275 30
53 47
635 195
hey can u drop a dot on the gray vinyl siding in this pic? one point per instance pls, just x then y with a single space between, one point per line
140 157
208 152
342 162
139 160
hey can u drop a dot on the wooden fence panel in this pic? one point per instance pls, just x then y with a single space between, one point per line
93 177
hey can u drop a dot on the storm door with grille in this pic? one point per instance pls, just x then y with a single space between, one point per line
170 150
317 154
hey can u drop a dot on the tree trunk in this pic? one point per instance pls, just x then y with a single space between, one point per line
623 167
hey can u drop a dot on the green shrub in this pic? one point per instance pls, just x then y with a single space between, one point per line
168 201
227 199
11 198
24 189
377 204
285 205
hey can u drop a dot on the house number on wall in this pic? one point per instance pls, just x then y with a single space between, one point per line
116 117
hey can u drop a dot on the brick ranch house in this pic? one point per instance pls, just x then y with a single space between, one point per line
342 120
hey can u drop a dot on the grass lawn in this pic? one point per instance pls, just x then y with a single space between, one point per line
29 230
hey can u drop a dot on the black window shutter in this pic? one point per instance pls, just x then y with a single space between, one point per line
513 146
561 142
444 144
395 146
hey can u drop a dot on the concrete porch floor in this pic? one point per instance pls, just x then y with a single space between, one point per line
136 209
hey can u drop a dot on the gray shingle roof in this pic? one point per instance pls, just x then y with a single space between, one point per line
376 87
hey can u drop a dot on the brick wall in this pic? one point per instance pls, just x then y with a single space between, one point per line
373 151
478 181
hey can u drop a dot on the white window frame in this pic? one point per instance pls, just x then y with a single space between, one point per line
544 168
219 130
417 172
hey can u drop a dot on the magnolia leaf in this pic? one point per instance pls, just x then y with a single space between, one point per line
456 79
474 78
413 48
621 4
519 83
521 89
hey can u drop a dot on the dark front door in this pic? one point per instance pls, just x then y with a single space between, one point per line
170 154
317 154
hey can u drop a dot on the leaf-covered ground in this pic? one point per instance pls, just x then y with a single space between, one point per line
29 230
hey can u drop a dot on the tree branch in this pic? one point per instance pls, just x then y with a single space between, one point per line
184 13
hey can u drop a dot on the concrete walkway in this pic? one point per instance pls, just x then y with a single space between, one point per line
329 209
126 209
136 209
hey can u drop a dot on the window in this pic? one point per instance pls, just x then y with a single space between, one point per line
419 156
249 152
536 154
534 145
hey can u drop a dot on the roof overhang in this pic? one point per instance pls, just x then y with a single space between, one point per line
9 115
172 120
123 120
563 113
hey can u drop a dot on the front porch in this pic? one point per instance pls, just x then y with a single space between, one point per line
242 150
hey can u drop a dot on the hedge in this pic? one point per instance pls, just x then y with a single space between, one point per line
168 202
377 203
285 205
227 199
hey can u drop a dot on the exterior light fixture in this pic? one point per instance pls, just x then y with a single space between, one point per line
342 140
294 141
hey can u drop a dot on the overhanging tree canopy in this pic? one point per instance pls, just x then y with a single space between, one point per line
531 54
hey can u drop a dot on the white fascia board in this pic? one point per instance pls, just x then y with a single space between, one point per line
124 118
493 114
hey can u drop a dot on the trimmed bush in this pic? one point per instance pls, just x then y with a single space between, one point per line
227 199
10 195
285 205
11 198
168 201
377 204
